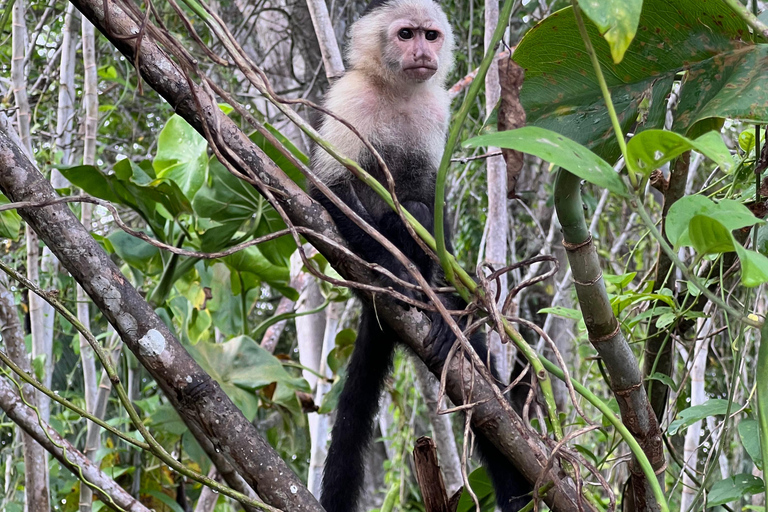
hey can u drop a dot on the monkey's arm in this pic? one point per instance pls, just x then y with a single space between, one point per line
388 224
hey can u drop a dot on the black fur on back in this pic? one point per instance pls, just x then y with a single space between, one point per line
414 176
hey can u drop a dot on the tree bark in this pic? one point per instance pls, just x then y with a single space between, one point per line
87 359
67 455
36 495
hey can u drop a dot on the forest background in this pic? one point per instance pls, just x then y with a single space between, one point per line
172 341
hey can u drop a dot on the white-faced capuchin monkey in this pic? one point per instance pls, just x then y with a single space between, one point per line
394 94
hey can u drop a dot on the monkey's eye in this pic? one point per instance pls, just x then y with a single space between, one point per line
431 35
405 33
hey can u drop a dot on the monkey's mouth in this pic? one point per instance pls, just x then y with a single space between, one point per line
420 72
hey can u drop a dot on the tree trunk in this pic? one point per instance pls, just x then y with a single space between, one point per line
36 495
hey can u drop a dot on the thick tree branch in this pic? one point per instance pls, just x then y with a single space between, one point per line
70 457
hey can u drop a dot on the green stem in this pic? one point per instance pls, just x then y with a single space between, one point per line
604 88
453 137
758 26
762 394
269 322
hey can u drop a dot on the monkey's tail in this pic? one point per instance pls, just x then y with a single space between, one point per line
358 403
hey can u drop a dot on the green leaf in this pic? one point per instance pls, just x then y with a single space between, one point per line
251 260
572 314
754 267
651 149
136 253
339 355
733 488
726 79
236 205
747 140
483 489
689 416
10 221
731 214
709 236
664 379
168 501
665 319
559 150
617 20
750 438
181 155
242 366
620 281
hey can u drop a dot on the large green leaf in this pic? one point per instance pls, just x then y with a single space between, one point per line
559 150
134 186
483 489
561 91
10 221
252 261
733 488
731 214
617 21
651 149
232 203
689 416
749 434
241 366
181 155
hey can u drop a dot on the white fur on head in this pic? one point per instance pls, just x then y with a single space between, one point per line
369 36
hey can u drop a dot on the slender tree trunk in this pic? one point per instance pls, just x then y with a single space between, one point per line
207 500
698 397
326 38
87 360
497 227
38 309
320 424
36 495
65 115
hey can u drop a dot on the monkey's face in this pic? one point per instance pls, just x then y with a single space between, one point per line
414 48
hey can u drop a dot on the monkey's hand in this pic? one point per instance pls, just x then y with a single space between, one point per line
441 337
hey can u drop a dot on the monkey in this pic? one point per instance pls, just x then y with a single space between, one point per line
393 92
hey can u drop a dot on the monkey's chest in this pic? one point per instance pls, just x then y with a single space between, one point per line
413 172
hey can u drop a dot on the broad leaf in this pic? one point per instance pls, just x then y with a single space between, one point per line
181 155
750 438
651 149
689 416
617 21
731 214
733 488
754 267
726 78
709 236
483 489
10 221
559 150
236 205
241 366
